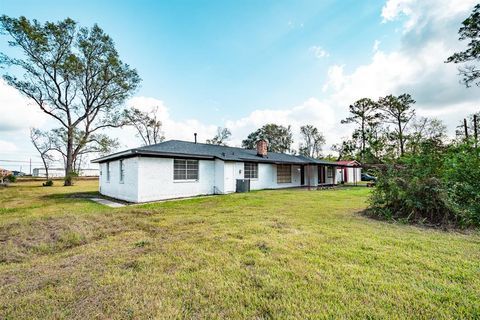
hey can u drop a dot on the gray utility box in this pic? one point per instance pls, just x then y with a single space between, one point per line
243 185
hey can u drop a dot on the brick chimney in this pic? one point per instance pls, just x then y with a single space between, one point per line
262 148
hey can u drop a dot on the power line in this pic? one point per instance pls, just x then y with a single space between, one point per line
20 161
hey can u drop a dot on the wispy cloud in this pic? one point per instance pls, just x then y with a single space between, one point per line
319 52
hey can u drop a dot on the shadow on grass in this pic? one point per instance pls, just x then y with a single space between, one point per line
72 195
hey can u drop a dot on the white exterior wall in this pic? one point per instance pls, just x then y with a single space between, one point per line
126 190
353 175
151 179
156 180
267 178
219 176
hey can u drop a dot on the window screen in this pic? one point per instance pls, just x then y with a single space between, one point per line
122 171
251 170
329 172
284 173
185 169
108 171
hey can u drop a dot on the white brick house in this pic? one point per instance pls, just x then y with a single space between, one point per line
176 169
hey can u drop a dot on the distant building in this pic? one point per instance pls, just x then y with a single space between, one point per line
60 172
349 171
18 173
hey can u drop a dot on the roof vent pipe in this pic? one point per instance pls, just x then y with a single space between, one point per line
195 135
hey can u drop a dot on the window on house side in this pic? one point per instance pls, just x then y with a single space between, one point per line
329 172
250 170
108 171
185 169
122 171
284 173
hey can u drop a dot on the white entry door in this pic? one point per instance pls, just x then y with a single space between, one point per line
230 180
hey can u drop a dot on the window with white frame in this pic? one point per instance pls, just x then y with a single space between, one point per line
284 173
108 171
329 172
250 170
184 169
122 171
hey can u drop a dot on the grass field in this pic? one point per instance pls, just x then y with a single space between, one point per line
268 254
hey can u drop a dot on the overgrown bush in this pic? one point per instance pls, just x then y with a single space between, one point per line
11 178
439 186
48 183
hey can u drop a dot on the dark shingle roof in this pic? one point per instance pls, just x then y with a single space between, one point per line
177 148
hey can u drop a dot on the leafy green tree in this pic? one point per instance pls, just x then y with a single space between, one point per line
366 115
97 143
312 143
398 111
279 138
148 127
221 138
346 150
72 74
470 30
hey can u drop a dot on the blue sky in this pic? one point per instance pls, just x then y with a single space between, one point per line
215 60
245 63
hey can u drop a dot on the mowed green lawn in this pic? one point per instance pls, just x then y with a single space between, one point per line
268 254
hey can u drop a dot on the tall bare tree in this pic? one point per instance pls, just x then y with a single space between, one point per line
313 141
97 143
43 143
398 112
221 138
147 125
425 129
73 74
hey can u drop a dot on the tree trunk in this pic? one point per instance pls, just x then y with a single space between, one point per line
363 141
400 137
45 165
69 162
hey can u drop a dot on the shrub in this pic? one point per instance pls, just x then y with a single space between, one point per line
400 195
48 183
11 178
439 185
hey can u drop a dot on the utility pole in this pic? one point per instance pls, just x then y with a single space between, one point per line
466 128
475 130
30 166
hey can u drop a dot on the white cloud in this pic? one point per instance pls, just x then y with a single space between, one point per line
429 36
419 13
173 129
319 52
418 67
312 111
17 113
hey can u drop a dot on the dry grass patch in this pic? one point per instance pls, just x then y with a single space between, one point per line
269 254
